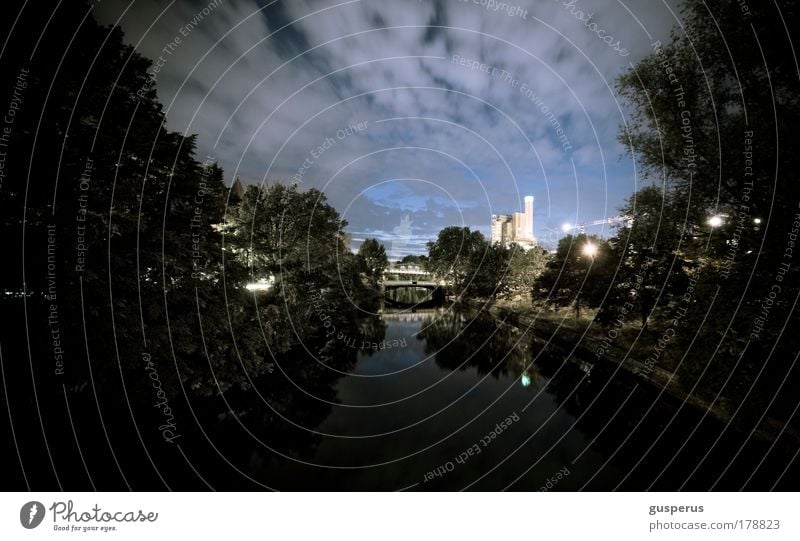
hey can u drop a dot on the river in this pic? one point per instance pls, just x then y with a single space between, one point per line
454 399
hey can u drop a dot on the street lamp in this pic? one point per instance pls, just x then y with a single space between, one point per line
757 221
590 249
264 284
258 286
715 221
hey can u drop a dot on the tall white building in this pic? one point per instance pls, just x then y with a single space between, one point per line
529 218
516 227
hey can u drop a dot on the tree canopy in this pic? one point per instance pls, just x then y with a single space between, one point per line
452 255
372 258
714 115
579 274
132 254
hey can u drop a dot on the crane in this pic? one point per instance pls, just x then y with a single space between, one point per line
581 227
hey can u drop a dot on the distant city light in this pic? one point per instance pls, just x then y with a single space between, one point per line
526 380
590 249
756 221
715 221
566 227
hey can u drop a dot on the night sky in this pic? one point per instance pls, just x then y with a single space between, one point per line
410 115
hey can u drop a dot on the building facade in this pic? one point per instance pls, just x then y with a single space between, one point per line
515 228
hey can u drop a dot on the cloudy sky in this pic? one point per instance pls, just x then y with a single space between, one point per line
428 113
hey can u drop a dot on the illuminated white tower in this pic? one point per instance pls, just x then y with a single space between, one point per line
529 217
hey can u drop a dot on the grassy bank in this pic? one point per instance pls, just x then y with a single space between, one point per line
626 346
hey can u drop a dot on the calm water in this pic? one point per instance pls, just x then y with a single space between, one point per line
461 401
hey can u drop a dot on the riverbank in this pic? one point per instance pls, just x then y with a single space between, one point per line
581 340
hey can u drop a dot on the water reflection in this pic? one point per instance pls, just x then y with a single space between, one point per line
460 339
413 298
404 411
443 399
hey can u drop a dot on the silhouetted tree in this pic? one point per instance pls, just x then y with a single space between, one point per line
373 259
489 271
525 268
579 274
647 247
452 255
713 112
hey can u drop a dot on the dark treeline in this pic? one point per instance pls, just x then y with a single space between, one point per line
133 351
474 267
706 265
714 237
126 312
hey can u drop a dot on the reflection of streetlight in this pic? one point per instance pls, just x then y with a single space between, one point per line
566 227
590 249
715 221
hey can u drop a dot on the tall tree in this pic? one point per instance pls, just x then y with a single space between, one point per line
650 256
714 112
525 268
372 257
452 255
489 271
579 274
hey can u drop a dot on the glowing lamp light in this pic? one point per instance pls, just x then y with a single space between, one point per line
526 380
590 249
258 287
261 285
757 221
715 221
